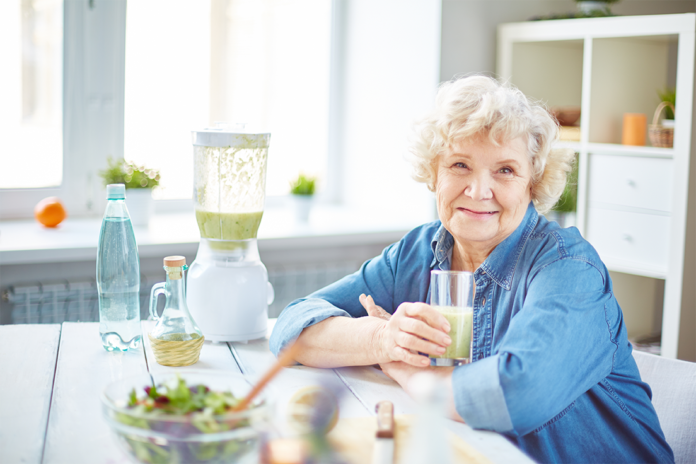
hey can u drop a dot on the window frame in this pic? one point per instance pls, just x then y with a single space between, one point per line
93 96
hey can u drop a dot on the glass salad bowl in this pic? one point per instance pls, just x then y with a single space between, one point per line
186 417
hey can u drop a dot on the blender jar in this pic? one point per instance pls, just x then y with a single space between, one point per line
228 292
229 183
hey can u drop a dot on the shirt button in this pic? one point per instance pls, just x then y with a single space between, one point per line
483 303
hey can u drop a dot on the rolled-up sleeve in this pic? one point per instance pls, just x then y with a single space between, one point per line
375 277
479 397
558 345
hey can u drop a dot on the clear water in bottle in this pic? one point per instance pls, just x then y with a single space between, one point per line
118 276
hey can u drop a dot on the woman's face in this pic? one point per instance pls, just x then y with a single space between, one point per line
483 190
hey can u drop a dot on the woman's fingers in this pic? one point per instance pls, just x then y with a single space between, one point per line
402 354
411 342
422 330
372 309
427 314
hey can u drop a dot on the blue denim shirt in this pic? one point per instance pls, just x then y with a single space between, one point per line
552 369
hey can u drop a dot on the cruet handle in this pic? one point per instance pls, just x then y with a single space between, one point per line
156 291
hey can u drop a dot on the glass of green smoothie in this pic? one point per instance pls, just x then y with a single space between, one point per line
452 294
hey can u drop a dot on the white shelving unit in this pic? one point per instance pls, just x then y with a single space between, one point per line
632 201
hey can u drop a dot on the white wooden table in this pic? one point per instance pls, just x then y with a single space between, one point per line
52 375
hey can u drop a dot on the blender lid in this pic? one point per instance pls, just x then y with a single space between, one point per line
230 135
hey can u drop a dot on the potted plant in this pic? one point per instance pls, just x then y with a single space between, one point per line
565 210
302 190
589 7
669 94
139 182
585 9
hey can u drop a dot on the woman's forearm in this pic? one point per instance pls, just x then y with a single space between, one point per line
342 341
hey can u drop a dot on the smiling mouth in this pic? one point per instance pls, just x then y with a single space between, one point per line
481 213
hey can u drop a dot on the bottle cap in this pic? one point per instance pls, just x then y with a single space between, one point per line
116 192
174 261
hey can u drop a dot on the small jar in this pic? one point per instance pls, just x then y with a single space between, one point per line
176 339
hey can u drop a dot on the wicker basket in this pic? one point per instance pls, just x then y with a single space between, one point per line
176 353
661 136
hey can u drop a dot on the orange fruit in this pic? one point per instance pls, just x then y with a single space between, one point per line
50 212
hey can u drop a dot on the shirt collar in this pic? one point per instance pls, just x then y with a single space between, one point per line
500 264
442 245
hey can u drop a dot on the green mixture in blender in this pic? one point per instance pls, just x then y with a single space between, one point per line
228 226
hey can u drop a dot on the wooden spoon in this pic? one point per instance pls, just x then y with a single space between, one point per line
285 359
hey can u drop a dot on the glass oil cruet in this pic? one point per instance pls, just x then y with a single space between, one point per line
176 339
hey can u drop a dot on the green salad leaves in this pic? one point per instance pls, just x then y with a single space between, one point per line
182 413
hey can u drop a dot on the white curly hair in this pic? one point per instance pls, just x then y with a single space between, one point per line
474 106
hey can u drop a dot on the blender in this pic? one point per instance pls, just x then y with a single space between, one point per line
228 292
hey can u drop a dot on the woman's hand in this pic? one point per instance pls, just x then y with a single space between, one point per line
413 328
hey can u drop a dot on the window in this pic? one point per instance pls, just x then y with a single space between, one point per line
62 101
32 109
134 82
260 62
31 32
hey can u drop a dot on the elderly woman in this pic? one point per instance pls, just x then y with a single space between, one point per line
552 368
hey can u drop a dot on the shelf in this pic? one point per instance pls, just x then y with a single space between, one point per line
617 149
623 191
627 26
628 267
575 146
630 150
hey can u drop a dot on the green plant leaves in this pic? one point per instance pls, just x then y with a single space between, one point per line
303 185
119 171
569 198
669 94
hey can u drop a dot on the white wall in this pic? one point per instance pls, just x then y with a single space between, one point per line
391 73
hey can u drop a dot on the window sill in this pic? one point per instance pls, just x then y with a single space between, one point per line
25 242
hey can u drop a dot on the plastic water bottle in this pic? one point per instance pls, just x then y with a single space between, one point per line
118 275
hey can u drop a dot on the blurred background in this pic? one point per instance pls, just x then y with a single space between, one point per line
338 83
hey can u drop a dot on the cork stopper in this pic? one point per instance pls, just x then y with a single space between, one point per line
174 261
173 266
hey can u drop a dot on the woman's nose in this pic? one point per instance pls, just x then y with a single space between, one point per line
479 187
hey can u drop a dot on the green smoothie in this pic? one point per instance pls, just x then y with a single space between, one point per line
228 226
461 329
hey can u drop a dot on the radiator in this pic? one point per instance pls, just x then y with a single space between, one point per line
56 302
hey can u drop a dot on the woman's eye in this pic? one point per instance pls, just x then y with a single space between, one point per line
460 165
506 171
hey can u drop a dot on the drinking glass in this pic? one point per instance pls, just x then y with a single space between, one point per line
452 294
